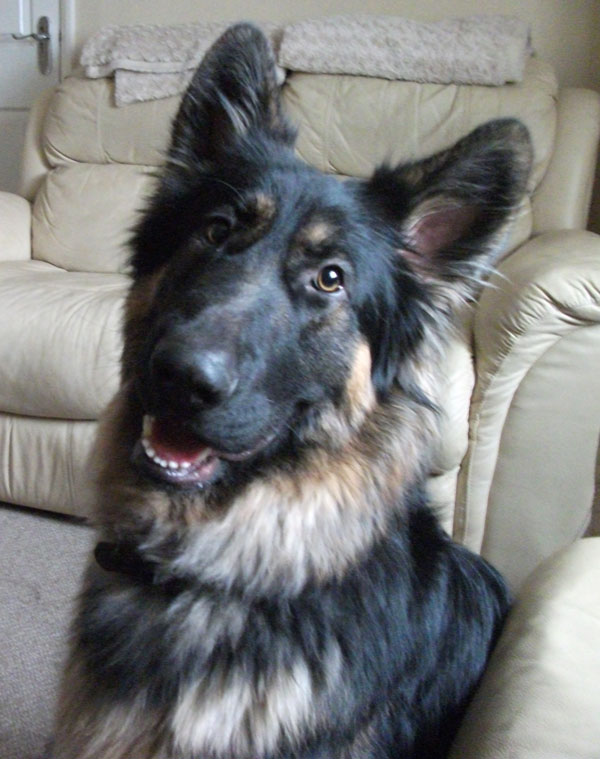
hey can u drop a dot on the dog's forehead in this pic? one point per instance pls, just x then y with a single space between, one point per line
321 212
313 212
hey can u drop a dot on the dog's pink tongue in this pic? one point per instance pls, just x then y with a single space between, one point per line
172 443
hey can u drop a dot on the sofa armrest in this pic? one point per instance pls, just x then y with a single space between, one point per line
562 200
540 696
526 486
15 227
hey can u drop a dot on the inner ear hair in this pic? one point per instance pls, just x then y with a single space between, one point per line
439 222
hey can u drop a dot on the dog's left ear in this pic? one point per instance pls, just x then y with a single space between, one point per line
233 91
449 209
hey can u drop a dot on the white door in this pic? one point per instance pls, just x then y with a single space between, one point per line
27 66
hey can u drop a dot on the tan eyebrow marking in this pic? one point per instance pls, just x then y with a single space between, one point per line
264 207
316 232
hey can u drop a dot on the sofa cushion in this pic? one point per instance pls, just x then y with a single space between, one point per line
46 464
100 154
349 124
61 339
540 694
84 213
84 125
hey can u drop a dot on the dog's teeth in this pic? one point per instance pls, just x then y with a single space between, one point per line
170 464
151 453
148 448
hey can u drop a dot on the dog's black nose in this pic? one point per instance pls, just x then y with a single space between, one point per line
196 377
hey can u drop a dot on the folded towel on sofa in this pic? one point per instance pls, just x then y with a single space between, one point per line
136 86
151 61
489 50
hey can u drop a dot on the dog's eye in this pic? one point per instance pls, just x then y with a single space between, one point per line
330 279
217 230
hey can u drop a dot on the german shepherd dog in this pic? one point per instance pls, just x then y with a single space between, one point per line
270 581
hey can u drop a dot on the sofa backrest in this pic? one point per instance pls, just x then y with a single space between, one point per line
100 159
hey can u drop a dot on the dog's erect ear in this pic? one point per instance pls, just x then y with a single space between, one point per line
233 91
448 209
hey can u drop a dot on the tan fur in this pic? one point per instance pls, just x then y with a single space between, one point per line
127 503
264 206
230 715
316 233
284 528
281 530
315 521
360 394
88 729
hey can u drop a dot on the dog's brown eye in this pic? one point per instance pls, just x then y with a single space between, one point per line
330 279
217 230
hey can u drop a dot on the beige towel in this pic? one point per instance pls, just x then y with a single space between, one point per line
151 61
488 50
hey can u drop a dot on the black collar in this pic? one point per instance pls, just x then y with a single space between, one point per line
124 558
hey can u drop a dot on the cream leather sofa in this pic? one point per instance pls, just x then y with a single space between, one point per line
515 472
514 475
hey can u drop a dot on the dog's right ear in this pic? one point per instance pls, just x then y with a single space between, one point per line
233 92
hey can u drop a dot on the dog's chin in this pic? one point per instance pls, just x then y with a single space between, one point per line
169 455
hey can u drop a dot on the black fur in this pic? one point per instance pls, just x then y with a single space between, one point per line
239 348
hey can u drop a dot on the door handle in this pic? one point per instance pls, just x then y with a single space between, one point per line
42 37
37 37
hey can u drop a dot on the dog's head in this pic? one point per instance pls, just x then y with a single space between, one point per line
273 306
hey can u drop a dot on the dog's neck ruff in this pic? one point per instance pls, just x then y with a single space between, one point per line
124 558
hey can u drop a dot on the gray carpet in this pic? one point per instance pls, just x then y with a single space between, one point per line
41 561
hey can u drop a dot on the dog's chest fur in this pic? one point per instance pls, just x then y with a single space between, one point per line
227 676
230 678
210 673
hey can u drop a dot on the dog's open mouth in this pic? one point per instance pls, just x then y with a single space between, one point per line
170 453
